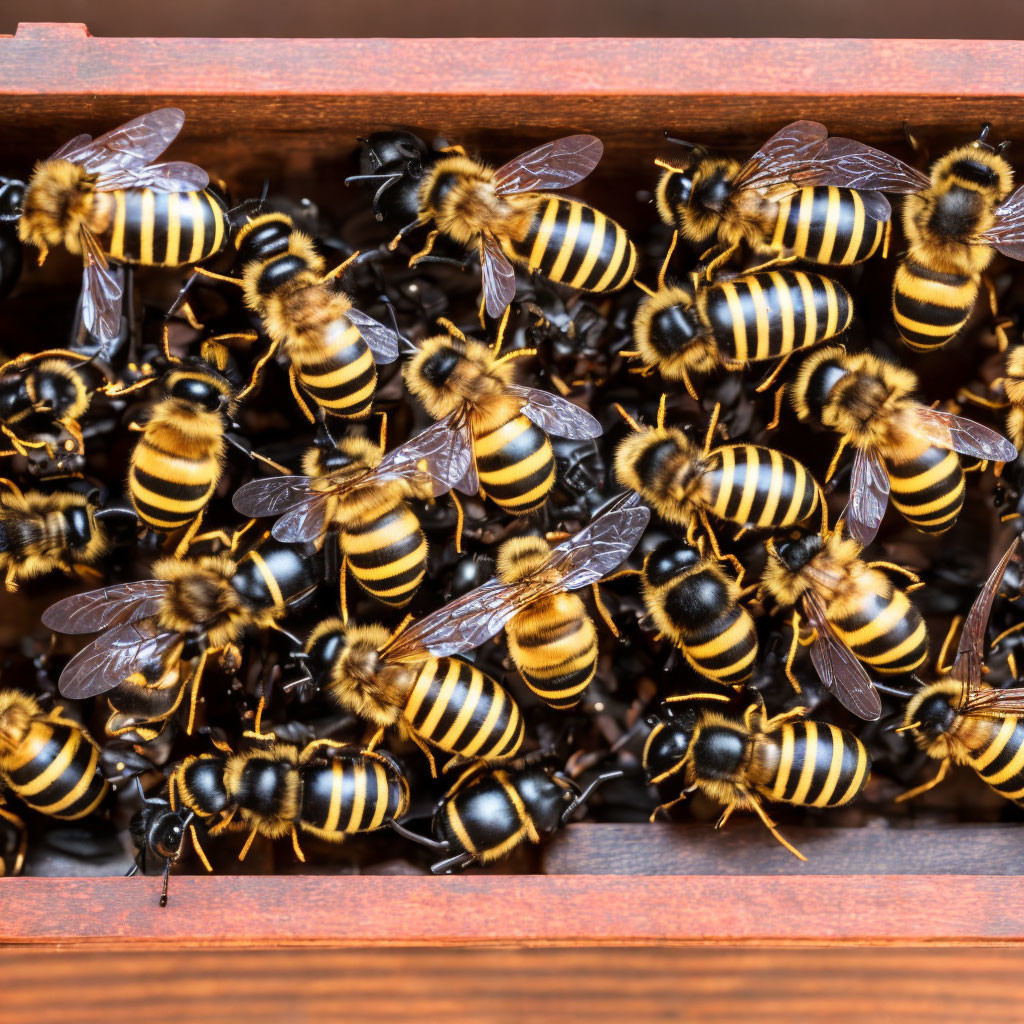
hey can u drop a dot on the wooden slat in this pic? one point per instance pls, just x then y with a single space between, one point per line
532 910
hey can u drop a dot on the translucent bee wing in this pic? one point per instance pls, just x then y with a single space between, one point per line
963 435
869 496
850 164
556 415
554 165
498 276
305 522
270 496
382 341
131 145
431 455
786 152
176 176
102 290
106 607
1007 233
1009 701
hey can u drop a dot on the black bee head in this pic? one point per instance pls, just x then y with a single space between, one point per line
669 559
798 549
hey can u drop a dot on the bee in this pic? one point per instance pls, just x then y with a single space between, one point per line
955 219
105 200
551 638
740 762
683 331
332 348
204 604
142 706
902 447
488 812
961 720
394 679
393 165
364 493
158 831
741 483
13 843
504 425
507 215
12 194
48 761
780 202
696 605
857 616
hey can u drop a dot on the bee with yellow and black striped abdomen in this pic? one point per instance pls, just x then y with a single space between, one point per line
778 203
859 619
684 332
48 761
508 216
504 425
13 843
192 608
396 681
904 449
552 639
960 720
363 493
105 200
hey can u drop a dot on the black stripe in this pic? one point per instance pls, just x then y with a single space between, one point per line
171 489
605 258
816 223
556 239
1009 748
582 246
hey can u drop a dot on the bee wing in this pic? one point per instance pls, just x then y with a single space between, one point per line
454 456
556 415
112 657
850 164
270 496
786 152
102 288
869 496
1009 701
963 435
843 675
305 522
108 606
498 277
557 164
382 341
432 454
175 176
971 649
1007 233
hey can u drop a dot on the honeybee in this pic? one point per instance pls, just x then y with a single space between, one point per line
393 164
779 202
13 843
683 331
902 446
685 484
961 720
332 348
491 811
955 218
193 607
504 426
508 217
365 494
48 761
106 200
158 831
551 638
858 618
786 759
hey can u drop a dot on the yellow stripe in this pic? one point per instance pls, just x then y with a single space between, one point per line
540 243
218 223
428 670
810 311
893 613
834 769
498 699
799 487
859 223
828 239
476 685
786 316
518 470
783 206
173 229
810 762
739 327
751 477
117 236
832 300
198 229
381 807
1015 765
55 769
572 229
858 775
76 794
358 798
146 228
736 632
727 474
803 223
337 782
995 748
502 748
785 763
441 702
455 823
614 264
385 572
268 577
771 502
596 245
760 302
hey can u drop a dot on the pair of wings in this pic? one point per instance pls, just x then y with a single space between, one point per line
123 158
869 482
303 502
471 620
383 342
555 165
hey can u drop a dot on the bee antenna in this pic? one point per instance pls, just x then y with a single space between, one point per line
10 216
1003 146
585 795
369 177
679 142
983 134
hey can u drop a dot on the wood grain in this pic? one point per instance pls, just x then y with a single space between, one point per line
601 986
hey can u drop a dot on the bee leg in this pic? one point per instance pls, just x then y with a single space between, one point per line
603 611
770 825
778 261
137 866
197 676
771 378
902 570
198 847
663 270
296 847
374 740
435 844
81 569
293 383
460 521
918 790
712 424
11 578
411 226
773 424
941 666
340 268
167 879
426 753
426 250
243 853
453 148
242 446
791 655
723 256
965 395
771 724
666 807
1011 661
343 588
452 864
1005 633
840 448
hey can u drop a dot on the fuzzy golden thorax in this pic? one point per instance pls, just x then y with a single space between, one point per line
720 781
1013 378
457 193
670 335
518 557
696 197
178 426
17 712
665 468
59 202
201 597
838 559
248 778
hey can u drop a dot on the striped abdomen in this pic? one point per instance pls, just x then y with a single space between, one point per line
459 709
930 306
141 706
349 794
928 489
55 770
576 245
487 819
516 465
164 229
173 474
1000 760
756 486
813 764
553 643
386 551
825 224
338 371
762 316
885 631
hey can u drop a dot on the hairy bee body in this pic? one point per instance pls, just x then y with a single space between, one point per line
142 705
48 761
1013 385
694 603
444 701
928 488
516 464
